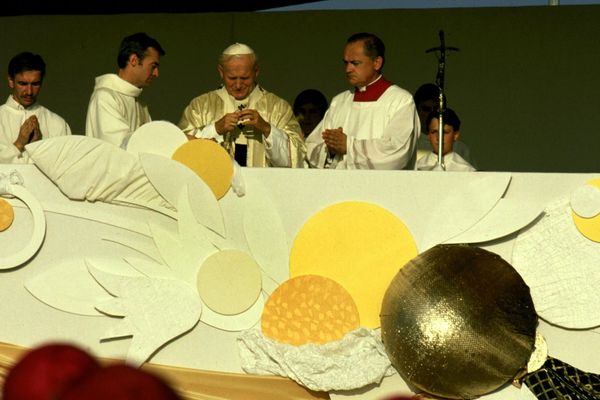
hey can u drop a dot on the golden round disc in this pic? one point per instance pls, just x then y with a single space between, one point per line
309 309
209 161
357 244
7 215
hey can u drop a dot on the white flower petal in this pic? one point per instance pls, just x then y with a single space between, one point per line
585 201
69 287
156 310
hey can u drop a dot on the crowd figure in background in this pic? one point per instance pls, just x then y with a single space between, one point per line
114 111
257 127
451 160
374 125
309 108
22 119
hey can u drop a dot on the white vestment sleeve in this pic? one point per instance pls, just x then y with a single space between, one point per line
208 132
277 147
66 130
316 150
9 154
393 150
50 124
106 120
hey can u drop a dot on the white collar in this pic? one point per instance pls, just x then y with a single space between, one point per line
15 105
364 88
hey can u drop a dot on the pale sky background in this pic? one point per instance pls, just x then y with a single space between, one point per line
381 4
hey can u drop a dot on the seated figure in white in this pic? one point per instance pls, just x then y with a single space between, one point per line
451 160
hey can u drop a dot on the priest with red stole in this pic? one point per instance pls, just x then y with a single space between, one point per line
373 126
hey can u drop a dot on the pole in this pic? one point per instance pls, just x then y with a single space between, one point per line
439 80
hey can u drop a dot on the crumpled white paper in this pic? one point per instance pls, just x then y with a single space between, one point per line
330 366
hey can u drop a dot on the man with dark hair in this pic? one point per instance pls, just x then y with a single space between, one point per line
374 126
452 161
22 119
114 111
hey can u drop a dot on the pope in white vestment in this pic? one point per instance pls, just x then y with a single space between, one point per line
13 115
452 162
256 127
284 146
381 125
114 111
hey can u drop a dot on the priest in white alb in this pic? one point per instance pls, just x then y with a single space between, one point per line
22 119
257 127
374 126
114 111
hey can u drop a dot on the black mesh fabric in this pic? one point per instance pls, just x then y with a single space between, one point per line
557 380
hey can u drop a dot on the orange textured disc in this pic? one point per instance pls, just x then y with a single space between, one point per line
309 309
7 215
209 161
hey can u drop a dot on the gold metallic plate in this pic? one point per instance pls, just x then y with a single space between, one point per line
458 322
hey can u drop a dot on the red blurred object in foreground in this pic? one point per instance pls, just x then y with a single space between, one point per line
63 372
47 371
120 382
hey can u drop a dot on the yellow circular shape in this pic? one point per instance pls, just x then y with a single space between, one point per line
229 282
209 161
359 245
588 227
7 215
309 309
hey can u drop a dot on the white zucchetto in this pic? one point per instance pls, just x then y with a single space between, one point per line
237 49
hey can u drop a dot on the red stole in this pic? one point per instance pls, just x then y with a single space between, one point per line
373 91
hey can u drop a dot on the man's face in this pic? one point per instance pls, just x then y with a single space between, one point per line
360 69
239 76
26 87
450 136
145 69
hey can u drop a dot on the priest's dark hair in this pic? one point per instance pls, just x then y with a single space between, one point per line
26 61
137 44
374 46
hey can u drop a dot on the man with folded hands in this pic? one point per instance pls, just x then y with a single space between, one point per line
255 126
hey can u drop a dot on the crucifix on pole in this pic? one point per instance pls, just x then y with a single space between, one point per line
439 81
